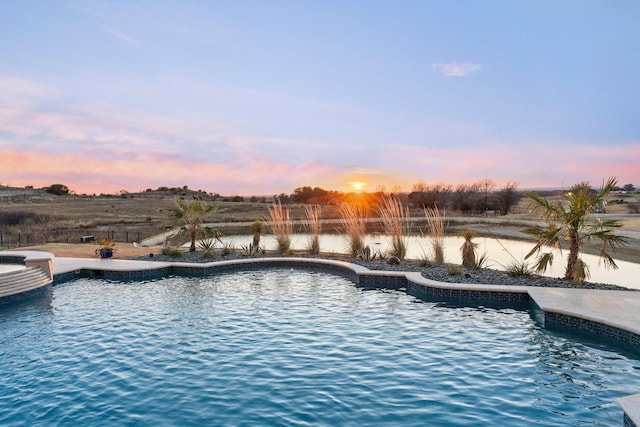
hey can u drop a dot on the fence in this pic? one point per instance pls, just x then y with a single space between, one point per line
18 240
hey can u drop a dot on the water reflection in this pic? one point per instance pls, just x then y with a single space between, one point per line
500 253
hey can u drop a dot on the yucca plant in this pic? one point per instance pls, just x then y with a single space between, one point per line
396 222
206 248
281 227
435 227
257 227
468 249
312 225
353 215
481 261
249 249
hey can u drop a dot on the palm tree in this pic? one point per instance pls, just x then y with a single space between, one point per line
192 216
570 219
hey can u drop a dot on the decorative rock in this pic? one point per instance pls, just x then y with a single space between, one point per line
436 272
393 260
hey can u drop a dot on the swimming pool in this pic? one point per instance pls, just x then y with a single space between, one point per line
292 347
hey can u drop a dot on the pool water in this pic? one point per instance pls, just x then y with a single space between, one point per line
296 348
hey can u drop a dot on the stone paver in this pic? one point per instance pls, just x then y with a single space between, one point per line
620 309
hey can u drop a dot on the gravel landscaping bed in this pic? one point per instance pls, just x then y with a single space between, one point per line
439 273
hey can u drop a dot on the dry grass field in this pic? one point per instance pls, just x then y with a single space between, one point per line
143 215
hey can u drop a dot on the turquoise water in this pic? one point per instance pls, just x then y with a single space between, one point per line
286 347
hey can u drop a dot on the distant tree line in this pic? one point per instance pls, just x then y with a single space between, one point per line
478 197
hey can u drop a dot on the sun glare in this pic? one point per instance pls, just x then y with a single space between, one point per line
357 185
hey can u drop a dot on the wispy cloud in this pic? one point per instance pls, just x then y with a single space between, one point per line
122 36
457 69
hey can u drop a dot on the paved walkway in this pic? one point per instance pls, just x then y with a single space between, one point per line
65 265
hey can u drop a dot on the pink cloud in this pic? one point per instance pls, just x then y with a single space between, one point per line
87 174
99 147
532 164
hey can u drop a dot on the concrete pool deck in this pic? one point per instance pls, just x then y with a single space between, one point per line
616 310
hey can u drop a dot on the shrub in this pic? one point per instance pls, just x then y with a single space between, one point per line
480 261
453 270
518 269
172 251
367 254
227 249
58 189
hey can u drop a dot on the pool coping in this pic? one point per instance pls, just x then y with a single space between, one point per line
608 314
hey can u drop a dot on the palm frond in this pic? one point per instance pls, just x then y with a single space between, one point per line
543 262
608 261
580 272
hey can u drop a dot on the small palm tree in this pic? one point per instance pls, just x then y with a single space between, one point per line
570 219
191 215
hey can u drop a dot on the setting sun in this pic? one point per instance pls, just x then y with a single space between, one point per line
357 185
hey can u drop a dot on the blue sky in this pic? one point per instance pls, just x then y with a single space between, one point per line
261 97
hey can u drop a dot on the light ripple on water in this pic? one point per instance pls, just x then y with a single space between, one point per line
291 348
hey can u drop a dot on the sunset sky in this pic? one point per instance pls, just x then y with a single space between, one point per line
262 97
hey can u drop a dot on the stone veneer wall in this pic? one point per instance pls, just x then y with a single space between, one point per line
564 323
